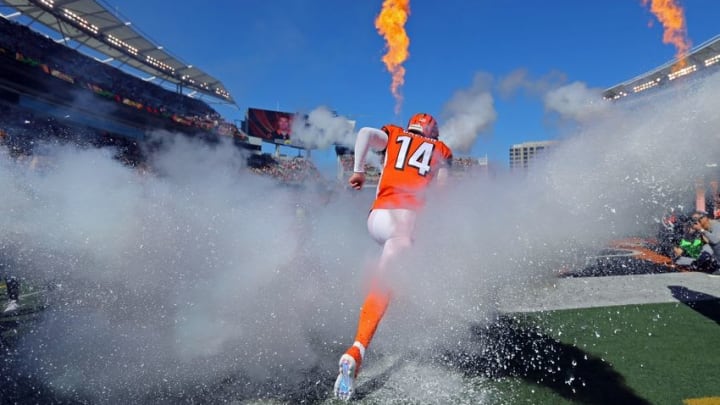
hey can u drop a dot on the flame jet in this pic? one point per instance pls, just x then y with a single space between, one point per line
672 16
390 23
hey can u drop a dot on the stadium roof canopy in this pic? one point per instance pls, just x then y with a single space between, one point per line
94 25
703 56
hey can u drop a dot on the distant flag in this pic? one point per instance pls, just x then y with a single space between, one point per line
390 23
672 17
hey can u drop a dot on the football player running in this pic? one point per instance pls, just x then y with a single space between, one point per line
413 158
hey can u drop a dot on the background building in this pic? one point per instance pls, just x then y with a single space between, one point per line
523 154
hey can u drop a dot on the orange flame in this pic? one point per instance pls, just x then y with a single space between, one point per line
390 23
672 17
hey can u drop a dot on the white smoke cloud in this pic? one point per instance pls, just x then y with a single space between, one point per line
468 113
201 283
322 129
520 80
197 273
575 101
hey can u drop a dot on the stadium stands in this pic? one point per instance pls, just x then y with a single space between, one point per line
51 92
290 171
34 65
346 164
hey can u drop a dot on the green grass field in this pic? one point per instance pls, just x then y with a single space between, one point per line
637 354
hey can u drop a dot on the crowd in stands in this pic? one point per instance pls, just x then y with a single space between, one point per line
39 52
347 163
462 166
22 131
464 162
286 170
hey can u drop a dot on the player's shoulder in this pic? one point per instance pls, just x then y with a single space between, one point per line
392 129
441 145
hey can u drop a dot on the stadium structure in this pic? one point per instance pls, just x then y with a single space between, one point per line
701 60
78 71
92 25
88 69
704 58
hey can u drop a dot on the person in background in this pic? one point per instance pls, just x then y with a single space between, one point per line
709 230
282 129
690 250
413 158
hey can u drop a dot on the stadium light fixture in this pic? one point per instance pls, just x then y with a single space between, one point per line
159 64
118 43
682 72
646 85
711 61
48 3
83 23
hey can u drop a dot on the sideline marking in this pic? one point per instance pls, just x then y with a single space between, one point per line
702 401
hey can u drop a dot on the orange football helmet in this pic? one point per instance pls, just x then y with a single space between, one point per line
424 124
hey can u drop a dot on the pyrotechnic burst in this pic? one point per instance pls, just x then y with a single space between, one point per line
390 23
672 16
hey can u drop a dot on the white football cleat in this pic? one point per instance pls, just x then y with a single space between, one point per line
345 383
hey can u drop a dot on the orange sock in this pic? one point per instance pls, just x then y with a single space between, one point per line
371 313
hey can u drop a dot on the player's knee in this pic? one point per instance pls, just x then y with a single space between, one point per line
395 245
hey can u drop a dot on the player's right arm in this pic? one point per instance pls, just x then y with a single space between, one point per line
367 138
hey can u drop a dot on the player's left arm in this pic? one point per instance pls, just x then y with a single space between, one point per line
443 171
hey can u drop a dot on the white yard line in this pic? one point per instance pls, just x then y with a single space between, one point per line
589 292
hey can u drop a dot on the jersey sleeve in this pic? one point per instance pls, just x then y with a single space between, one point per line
391 128
392 131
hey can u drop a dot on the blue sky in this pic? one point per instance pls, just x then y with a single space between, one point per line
298 55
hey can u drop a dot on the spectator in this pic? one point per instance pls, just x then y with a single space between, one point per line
710 231
691 251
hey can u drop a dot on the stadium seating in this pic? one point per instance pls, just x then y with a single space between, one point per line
33 56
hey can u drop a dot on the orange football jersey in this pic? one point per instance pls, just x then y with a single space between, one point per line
411 162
